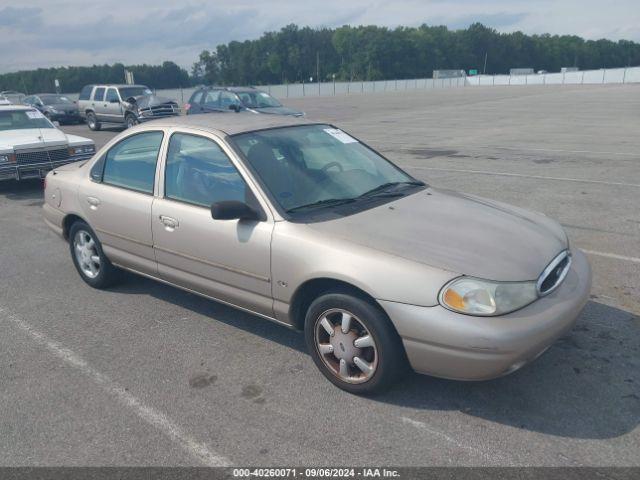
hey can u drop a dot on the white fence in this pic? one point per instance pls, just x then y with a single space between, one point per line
584 77
298 90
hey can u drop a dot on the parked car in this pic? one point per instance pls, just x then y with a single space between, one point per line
123 104
30 145
12 96
224 99
56 107
302 224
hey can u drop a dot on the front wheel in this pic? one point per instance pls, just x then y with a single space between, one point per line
131 120
353 343
89 259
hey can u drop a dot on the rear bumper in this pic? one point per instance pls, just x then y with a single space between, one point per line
54 218
34 170
65 117
446 344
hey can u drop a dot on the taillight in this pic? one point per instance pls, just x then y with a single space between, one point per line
44 183
187 106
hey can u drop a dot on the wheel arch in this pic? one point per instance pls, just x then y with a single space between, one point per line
311 289
68 221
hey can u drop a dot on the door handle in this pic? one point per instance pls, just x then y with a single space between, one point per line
93 202
169 223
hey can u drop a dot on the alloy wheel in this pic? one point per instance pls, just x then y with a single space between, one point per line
86 253
346 346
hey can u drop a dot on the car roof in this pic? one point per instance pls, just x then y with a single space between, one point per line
115 85
229 89
233 123
5 108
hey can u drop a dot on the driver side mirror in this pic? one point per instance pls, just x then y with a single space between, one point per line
235 107
233 210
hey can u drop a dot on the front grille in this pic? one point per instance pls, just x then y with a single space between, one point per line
42 156
555 272
163 110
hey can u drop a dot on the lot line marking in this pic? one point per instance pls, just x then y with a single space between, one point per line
423 426
539 177
153 417
612 255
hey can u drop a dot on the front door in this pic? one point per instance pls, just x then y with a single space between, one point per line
112 106
117 200
229 260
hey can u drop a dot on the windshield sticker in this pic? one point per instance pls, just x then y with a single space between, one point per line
34 114
340 135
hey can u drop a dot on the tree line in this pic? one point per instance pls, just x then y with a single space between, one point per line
72 79
295 54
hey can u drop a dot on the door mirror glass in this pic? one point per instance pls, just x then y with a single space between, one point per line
233 210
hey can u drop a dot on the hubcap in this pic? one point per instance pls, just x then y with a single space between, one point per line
345 346
86 252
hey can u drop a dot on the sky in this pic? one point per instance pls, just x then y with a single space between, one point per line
45 33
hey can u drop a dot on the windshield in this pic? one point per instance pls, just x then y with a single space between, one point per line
54 99
127 92
23 119
318 166
258 100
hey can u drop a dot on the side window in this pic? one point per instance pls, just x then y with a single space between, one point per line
132 162
112 95
212 99
85 93
197 97
28 101
199 172
228 98
98 95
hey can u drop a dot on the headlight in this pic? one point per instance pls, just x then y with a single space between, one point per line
474 296
82 149
4 158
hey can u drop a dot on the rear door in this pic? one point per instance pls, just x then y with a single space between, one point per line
229 260
117 201
97 103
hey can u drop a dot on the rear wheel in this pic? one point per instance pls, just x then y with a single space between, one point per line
93 122
89 259
353 343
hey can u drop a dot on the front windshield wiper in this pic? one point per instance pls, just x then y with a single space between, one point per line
327 202
385 186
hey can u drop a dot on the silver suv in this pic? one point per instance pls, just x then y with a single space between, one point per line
122 104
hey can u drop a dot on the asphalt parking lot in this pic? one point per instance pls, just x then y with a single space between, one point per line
144 374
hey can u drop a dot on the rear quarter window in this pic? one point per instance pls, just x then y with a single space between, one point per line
85 93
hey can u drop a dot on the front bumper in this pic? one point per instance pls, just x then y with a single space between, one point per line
446 344
14 171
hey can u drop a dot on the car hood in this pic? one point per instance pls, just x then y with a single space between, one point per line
64 107
456 232
278 111
31 138
145 101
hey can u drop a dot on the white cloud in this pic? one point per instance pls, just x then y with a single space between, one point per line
76 32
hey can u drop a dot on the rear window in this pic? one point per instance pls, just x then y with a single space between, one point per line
85 93
23 119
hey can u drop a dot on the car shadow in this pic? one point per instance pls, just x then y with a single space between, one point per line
587 385
31 189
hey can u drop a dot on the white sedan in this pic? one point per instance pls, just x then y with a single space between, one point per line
30 145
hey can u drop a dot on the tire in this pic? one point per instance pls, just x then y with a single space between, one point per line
103 274
130 120
386 357
92 122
